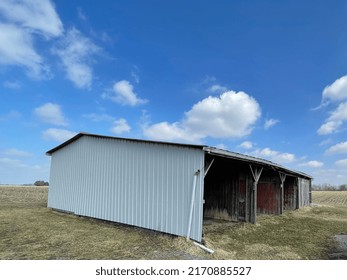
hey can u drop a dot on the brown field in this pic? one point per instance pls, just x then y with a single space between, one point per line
29 230
332 198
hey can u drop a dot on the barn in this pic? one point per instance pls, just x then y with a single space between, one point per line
168 187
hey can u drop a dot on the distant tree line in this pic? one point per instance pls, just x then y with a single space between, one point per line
41 183
328 187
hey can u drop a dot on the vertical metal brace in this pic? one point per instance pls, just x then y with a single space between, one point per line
192 204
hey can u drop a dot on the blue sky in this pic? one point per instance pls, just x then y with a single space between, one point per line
264 78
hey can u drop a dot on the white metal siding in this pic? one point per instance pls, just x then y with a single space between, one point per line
138 183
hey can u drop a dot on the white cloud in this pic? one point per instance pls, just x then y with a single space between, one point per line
36 15
51 113
222 147
165 131
284 158
12 84
339 148
81 14
58 135
105 37
274 156
312 163
217 88
76 53
329 127
12 115
208 79
246 145
269 123
325 142
231 115
16 153
335 121
340 114
266 152
99 117
120 126
328 176
16 49
337 91
15 171
21 21
13 162
135 76
123 92
341 163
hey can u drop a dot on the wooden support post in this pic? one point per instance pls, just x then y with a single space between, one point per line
297 193
247 202
256 172
282 178
254 200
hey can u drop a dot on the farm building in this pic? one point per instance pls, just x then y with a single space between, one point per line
168 187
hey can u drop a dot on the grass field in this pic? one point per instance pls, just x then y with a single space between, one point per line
28 230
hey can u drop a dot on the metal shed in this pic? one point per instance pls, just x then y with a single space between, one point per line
168 187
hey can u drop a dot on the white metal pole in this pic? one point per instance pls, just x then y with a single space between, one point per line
192 204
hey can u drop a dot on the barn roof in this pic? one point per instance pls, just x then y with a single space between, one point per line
207 149
81 134
254 160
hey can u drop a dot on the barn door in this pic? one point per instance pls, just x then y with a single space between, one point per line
242 199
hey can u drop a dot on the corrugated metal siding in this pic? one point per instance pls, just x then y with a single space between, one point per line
304 186
143 184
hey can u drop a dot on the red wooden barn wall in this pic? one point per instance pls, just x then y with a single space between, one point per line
228 189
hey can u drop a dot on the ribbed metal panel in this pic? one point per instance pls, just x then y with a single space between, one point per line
138 183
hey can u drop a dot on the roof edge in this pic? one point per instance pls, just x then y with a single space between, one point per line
254 160
206 149
81 134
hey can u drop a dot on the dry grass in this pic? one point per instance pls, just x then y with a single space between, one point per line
301 234
28 230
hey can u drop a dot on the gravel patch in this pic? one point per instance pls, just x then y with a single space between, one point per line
340 253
